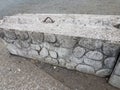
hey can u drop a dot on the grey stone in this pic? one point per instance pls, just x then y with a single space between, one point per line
62 62
115 81
110 49
66 41
8 40
53 54
110 62
78 52
44 52
85 69
103 72
10 34
94 55
117 69
35 47
12 49
90 43
22 35
46 45
36 37
76 60
96 64
33 54
21 44
50 38
71 65
16 51
63 52
51 61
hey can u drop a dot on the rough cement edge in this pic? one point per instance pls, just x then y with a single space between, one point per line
104 33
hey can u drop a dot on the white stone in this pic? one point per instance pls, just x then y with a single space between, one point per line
94 55
90 43
35 47
110 62
96 64
62 62
79 52
63 52
51 61
49 38
76 60
110 49
103 72
71 65
53 54
85 69
66 41
44 52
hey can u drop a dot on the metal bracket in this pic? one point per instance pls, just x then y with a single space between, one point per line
48 20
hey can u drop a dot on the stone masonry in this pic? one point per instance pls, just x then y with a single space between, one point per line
94 53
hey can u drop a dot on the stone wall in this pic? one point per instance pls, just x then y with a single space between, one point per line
82 54
86 43
115 77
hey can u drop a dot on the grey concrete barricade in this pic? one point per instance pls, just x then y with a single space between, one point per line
86 43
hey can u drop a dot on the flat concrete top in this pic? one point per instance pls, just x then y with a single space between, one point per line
104 27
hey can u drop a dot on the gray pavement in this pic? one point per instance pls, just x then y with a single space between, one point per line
17 73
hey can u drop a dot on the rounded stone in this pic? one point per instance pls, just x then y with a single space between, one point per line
62 62
95 55
35 47
44 52
96 64
53 54
78 52
36 37
71 65
32 53
66 41
85 69
90 43
117 69
21 44
22 35
109 62
63 52
110 49
103 72
76 60
10 34
50 38
51 61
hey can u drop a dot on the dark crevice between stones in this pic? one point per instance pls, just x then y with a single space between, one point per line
117 26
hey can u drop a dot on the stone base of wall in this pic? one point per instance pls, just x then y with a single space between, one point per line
90 56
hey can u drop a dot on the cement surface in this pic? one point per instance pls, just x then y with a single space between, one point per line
79 25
